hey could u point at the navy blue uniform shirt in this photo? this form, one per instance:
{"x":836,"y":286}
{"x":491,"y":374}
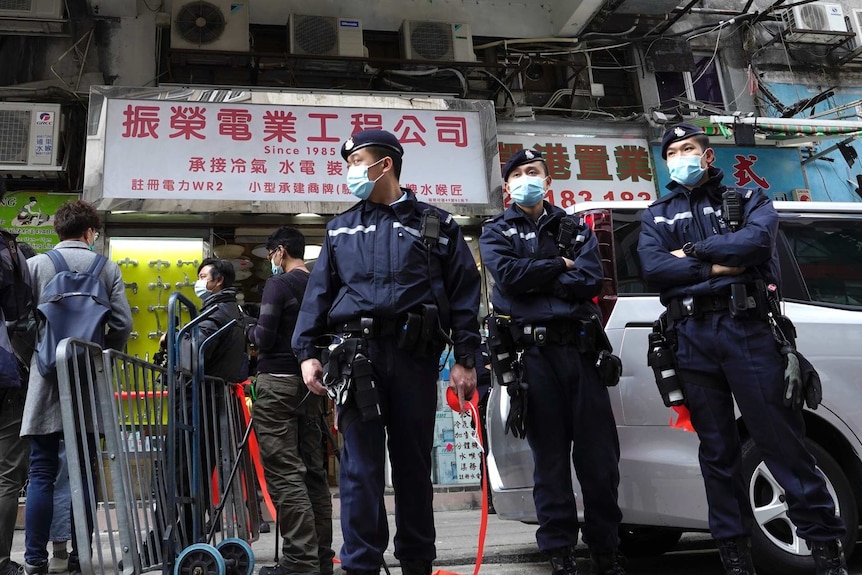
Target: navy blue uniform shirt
{"x":695,"y":216}
{"x":373,"y":263}
{"x":532,"y":283}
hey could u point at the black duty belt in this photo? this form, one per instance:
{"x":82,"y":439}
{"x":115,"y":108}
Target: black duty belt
{"x":371,"y":327}
{"x":697,"y":306}
{"x":548,"y":334}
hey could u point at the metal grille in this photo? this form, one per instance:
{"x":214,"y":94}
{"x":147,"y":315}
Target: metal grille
{"x":14,"y":135}
{"x":432,"y":40}
{"x":315,"y":34}
{"x":20,"y":5}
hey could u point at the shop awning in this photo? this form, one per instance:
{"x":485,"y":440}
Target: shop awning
{"x":782,"y":131}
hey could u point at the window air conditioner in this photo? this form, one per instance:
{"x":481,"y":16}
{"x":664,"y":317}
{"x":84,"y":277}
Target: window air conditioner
{"x":220,"y":25}
{"x":815,"y":16}
{"x":49,"y":9}
{"x":325,"y":36}
{"x":856,"y":21}
{"x":29,"y":135}
{"x":437,"y":41}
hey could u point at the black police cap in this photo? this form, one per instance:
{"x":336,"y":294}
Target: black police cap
{"x":365,"y":138}
{"x":677,"y":133}
{"x":520,"y":158}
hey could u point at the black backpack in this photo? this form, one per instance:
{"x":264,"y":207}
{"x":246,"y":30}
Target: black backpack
{"x":73,"y":304}
{"x":16,"y":287}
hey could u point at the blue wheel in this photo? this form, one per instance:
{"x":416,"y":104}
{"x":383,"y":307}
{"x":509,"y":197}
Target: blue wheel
{"x":238,"y":556}
{"x":200,"y":559}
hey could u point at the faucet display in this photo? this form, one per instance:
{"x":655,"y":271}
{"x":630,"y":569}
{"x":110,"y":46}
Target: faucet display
{"x":159,"y":264}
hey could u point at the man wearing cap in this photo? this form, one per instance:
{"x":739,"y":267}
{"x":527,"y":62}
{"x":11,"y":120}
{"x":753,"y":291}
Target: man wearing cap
{"x":697,"y":256}
{"x":394,"y":281}
{"x":547,"y":289}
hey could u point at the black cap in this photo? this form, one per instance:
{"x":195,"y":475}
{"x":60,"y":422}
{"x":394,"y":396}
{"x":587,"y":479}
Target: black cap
{"x":677,"y":133}
{"x":520,"y":158}
{"x":365,"y":138}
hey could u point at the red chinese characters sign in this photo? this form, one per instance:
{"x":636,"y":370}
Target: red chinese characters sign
{"x":588,"y":169}
{"x":234,"y":151}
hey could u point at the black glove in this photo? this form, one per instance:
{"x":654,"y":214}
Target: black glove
{"x":811,"y":386}
{"x":516,"y":421}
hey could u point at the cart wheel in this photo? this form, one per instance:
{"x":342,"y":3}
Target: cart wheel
{"x":238,"y":556}
{"x":200,"y":559}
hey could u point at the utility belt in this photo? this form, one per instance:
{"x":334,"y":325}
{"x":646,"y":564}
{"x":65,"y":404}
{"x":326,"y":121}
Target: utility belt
{"x":577,"y":333}
{"x":417,"y":331}
{"x":743,"y":301}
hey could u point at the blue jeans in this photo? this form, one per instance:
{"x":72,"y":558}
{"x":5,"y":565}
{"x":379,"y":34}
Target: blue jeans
{"x":39,"y":510}
{"x":61,"y":525}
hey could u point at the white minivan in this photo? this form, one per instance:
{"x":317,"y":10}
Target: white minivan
{"x":661,"y":489}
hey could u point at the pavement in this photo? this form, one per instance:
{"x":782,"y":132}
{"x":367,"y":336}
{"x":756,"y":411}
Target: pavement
{"x":457,"y":518}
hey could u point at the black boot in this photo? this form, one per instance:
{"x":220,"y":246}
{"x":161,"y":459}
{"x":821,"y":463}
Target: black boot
{"x":606,"y":563}
{"x":829,"y":557}
{"x":563,"y":561}
{"x":736,"y":556}
{"x":416,"y":567}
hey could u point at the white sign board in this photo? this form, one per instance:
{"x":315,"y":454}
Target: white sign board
{"x":272,"y":152}
{"x":588,"y":169}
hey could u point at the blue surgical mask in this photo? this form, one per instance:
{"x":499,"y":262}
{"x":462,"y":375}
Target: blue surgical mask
{"x":91,"y":247}
{"x":358,"y":182}
{"x":527,"y":190}
{"x":201,"y":289}
{"x":275,"y":269}
{"x":686,"y":170}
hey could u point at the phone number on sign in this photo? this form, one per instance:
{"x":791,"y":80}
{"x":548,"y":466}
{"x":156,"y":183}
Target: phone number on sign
{"x":568,"y":198}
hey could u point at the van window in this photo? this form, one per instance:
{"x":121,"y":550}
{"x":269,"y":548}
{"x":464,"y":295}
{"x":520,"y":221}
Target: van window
{"x":829,"y":255}
{"x":627,"y":229}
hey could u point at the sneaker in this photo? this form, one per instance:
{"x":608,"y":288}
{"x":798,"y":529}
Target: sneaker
{"x":12,"y":568}
{"x":36,"y":569}
{"x":58,"y":564}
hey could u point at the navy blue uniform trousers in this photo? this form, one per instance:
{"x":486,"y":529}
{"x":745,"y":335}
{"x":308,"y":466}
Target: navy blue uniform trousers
{"x":408,"y":396}
{"x":741,"y":357}
{"x":569,"y":420}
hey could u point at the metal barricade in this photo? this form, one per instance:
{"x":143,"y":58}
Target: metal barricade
{"x":157,"y":458}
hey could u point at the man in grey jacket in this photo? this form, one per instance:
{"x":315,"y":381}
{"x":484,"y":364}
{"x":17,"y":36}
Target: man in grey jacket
{"x":77,"y":223}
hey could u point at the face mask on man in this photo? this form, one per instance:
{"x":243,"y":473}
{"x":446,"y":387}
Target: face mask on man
{"x":201,"y":289}
{"x":358,"y":182}
{"x":687,"y":170}
{"x":527,"y":190}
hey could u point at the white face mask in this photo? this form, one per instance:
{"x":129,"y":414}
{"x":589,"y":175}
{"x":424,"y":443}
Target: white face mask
{"x":201,"y":289}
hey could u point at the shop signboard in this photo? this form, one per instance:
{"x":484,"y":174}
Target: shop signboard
{"x":31,"y":215}
{"x":586,"y":169}
{"x":777,"y":171}
{"x":251,"y":148}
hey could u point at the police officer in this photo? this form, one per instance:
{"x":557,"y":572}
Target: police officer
{"x":569,"y":416}
{"x":400,"y":293}
{"x":690,"y":253}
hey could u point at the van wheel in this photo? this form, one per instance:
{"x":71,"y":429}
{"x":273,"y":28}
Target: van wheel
{"x":774,"y":543}
{"x":636,"y":541}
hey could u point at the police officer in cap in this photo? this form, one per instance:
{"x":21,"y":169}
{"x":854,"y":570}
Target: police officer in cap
{"x":691,"y":253}
{"x":379,"y":278}
{"x":568,"y":416}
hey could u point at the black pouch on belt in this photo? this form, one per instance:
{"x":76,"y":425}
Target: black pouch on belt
{"x":411,"y":333}
{"x":365,"y":390}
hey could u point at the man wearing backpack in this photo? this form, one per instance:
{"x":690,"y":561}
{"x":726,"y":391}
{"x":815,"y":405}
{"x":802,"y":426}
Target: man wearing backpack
{"x":77,"y":223}
{"x":289,"y":419}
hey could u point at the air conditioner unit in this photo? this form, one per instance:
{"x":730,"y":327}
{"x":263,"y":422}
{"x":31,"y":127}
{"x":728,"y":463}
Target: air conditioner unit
{"x":325,"y":36}
{"x":856,"y":21}
{"x":49,"y":9}
{"x":220,"y":25}
{"x":29,"y":136}
{"x":437,"y":41}
{"x":815,"y":17}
